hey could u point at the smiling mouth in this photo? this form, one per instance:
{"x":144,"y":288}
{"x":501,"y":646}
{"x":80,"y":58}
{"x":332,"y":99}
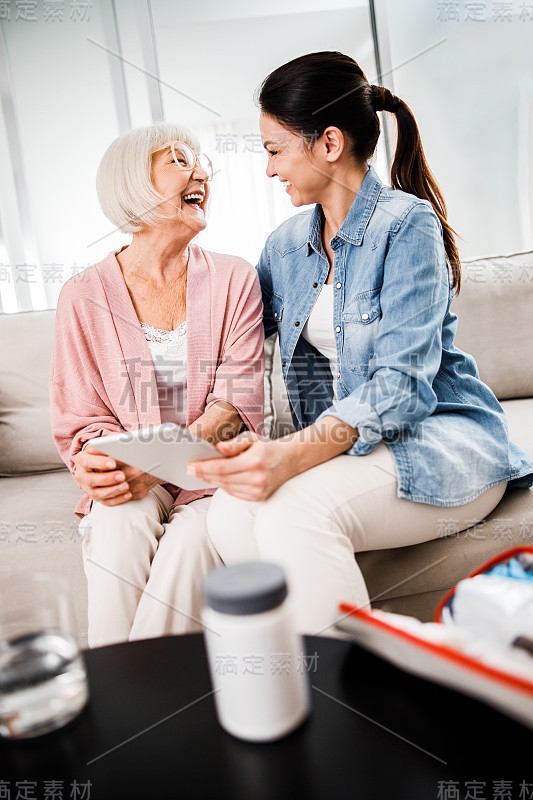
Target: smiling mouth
{"x":286,"y":185}
{"x":194,"y":199}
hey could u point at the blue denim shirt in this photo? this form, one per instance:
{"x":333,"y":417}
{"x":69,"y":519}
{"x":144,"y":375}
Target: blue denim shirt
{"x":401,"y":379}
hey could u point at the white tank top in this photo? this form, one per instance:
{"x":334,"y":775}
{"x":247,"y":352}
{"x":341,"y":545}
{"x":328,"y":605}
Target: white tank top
{"x":169,"y":354}
{"x":318,"y":330}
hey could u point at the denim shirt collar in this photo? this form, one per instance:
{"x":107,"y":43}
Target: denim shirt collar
{"x":353,"y":228}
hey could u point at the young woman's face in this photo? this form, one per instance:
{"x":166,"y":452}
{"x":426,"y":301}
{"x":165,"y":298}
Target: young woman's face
{"x":178,"y":184}
{"x":292,"y":161}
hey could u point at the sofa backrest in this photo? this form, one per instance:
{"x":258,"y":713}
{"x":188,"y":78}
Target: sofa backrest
{"x":495,"y":321}
{"x":26,"y":442}
{"x":495,"y":325}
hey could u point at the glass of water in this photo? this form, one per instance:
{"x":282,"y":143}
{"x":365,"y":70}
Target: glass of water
{"x":43,"y":682}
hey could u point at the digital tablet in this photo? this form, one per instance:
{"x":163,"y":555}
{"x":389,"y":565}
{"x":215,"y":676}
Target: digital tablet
{"x":160,"y":450}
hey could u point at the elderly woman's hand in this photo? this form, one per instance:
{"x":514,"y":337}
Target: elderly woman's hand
{"x":96,"y":474}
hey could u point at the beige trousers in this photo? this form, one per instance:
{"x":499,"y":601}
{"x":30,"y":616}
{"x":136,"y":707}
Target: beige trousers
{"x":315,"y":522}
{"x":145,"y":563}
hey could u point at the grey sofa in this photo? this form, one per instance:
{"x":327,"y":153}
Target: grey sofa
{"x":38,"y":529}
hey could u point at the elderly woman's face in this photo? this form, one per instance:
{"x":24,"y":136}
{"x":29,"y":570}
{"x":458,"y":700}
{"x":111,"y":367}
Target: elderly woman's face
{"x":180,"y":185}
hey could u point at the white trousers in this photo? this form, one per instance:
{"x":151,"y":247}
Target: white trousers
{"x":145,"y":564}
{"x":315,"y":522}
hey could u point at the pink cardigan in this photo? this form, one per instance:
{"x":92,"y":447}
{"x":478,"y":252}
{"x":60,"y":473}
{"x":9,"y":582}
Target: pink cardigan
{"x":103,"y":379}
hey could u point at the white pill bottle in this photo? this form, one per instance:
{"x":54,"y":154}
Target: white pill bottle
{"x":256,"y":658}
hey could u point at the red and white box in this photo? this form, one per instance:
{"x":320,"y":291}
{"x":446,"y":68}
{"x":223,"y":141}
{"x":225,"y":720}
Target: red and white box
{"x":497,"y":674}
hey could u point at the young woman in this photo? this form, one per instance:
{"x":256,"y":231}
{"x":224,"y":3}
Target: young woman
{"x":392,"y":420}
{"x":159,"y":331}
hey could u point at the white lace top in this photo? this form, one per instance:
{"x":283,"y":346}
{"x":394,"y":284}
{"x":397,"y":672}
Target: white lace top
{"x":169,"y":354}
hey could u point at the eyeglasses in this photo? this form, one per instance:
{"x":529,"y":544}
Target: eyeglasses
{"x":187,"y":159}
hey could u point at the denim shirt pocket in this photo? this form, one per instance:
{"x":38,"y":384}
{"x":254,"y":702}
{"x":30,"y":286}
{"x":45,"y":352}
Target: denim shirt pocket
{"x":361,"y":317}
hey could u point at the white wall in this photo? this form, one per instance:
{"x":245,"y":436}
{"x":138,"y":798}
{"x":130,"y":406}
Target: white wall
{"x":66,"y":118}
{"x":472,"y":96}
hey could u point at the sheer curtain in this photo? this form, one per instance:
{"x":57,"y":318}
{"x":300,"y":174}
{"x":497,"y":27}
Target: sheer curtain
{"x":70,"y":86}
{"x":245,"y":204}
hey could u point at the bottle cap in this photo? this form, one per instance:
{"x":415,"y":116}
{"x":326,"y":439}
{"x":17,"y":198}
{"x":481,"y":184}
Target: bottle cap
{"x":246,"y":588}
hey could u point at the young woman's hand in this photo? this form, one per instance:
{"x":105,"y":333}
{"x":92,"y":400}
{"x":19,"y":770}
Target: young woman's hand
{"x":256,"y":467}
{"x":96,"y":474}
{"x":253,"y":469}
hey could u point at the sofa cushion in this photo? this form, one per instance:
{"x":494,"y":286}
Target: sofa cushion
{"x":495,"y":321}
{"x":39,"y":533}
{"x":405,"y":573}
{"x":26,"y":442}
{"x":519,"y":416}
{"x":278,"y":419}
{"x":269,"y":408}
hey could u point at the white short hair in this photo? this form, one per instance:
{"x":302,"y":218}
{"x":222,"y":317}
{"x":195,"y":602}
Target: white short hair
{"x":123,"y":181}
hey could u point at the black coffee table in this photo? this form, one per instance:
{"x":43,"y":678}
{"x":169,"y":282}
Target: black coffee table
{"x":150,"y":731}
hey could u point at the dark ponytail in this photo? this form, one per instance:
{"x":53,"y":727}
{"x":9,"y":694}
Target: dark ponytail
{"x":315,"y":91}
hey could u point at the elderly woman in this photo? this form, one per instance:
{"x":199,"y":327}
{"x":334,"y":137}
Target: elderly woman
{"x":159,"y":331}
